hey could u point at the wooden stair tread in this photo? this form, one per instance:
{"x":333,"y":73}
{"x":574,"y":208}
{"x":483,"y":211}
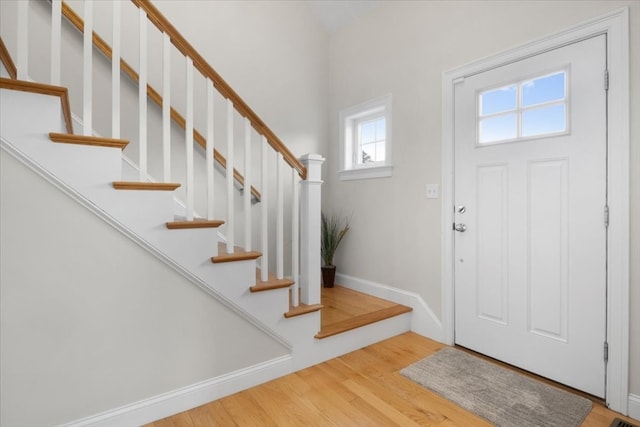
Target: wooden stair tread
{"x":43,"y":89}
{"x":271,"y":283}
{"x":238,"y":254}
{"x":153,"y":186}
{"x":97,"y":141}
{"x":362,"y":320}
{"x":196,"y":223}
{"x":302,"y":309}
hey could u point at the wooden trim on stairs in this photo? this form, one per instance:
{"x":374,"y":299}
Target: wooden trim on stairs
{"x":196,"y":223}
{"x":223,"y":87}
{"x":302,"y":309}
{"x":96,"y":141}
{"x":271,"y":283}
{"x":44,"y":89}
{"x":362,"y":320}
{"x":5,"y":57}
{"x":153,"y":94}
{"x":238,"y":254}
{"x":153,"y":186}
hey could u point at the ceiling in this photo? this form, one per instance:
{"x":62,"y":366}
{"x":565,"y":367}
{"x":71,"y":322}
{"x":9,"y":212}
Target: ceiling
{"x":335,"y":14}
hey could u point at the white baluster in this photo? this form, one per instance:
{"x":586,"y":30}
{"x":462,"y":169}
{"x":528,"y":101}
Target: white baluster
{"x":23,"y":40}
{"x":142,"y":95}
{"x":166,"y":107}
{"x":115,"y":71}
{"x":264,"y":261}
{"x":280,"y":220}
{"x":229,"y":176}
{"x":87,"y":117}
{"x":247,"y":185}
{"x":209,"y":150}
{"x":295,"y":254}
{"x":56,"y":25}
{"x":189,"y":136}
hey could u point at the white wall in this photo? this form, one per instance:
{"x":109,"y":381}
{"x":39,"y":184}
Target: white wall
{"x":403,"y":48}
{"x":273,"y":53}
{"x":90,"y":321}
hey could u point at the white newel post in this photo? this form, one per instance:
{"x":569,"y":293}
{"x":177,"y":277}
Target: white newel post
{"x":310,"y":207}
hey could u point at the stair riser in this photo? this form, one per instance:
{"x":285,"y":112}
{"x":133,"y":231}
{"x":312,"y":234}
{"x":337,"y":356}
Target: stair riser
{"x":232,"y":279}
{"x":145,"y":212}
{"x":191,"y":248}
{"x":30,"y":113}
{"x":27,"y":120}
{"x":320,"y":350}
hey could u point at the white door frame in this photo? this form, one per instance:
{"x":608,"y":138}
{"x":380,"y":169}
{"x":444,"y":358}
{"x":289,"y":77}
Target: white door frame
{"x":615,"y":25}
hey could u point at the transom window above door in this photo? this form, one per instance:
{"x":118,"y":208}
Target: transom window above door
{"x":522,"y":110}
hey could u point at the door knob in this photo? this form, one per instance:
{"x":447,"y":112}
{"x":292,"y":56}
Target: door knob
{"x":460,"y":227}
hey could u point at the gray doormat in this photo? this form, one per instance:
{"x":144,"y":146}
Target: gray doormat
{"x":499,"y":395}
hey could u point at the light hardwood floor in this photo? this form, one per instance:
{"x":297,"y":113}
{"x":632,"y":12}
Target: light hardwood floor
{"x":362,"y":388}
{"x":345,"y":309}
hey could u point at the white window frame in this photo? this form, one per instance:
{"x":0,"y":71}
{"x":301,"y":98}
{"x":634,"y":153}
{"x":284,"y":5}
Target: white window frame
{"x":349,"y":168}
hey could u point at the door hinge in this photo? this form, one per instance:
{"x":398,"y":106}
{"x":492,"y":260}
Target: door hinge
{"x":606,"y":216}
{"x":606,"y":351}
{"x":606,"y":79}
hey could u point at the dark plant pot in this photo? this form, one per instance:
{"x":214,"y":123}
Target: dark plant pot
{"x":328,"y":275}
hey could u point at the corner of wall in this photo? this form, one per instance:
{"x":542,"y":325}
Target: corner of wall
{"x":423,"y":320}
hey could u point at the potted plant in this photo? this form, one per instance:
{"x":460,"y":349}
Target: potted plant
{"x":333,"y":231}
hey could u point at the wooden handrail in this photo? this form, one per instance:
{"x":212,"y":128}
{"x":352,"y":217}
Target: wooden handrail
{"x":223,"y":87}
{"x":106,"y":50}
{"x":5,"y":57}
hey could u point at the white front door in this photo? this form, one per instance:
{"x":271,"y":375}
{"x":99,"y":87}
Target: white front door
{"x":530,"y":197}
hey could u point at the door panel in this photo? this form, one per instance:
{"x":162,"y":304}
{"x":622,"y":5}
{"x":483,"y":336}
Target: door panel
{"x":530,"y":268}
{"x":492,"y":232}
{"x":548,"y":248}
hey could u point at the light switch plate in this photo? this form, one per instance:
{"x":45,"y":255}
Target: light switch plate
{"x":433,"y":191}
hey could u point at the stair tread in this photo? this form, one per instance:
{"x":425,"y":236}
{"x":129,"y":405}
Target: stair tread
{"x":362,"y":320}
{"x":272,"y":282}
{"x":157,"y":186}
{"x":302,"y":309}
{"x":238,"y":254}
{"x":98,"y":141}
{"x":195,"y":223}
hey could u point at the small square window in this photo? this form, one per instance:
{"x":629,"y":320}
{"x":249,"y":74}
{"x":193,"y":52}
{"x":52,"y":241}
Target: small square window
{"x":365,"y":140}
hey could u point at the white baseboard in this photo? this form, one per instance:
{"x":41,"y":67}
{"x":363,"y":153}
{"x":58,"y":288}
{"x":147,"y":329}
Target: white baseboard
{"x":634,"y":406}
{"x":173,"y":402}
{"x":423,"y":320}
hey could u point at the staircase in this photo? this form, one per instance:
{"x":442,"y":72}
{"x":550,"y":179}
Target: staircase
{"x":147,"y":211}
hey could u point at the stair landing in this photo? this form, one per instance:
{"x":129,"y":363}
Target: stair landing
{"x":345,"y":309}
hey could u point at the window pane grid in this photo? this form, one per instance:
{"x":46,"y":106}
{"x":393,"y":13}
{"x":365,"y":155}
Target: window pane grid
{"x":370,"y":141}
{"x":533,"y":107}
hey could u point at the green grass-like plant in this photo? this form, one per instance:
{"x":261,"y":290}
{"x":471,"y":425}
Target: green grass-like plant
{"x":334,"y":229}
